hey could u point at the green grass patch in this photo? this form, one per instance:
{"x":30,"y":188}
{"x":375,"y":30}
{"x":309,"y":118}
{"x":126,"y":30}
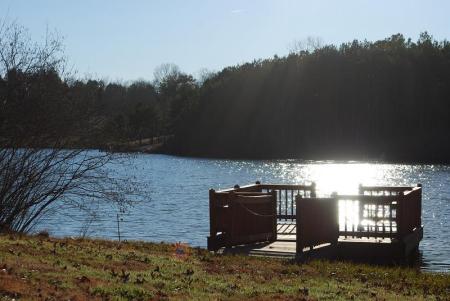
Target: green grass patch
{"x":35,"y":268}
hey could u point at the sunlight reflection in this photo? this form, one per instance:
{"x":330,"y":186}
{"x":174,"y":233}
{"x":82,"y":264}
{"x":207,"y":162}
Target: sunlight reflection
{"x":343,"y":179}
{"x":348,"y":215}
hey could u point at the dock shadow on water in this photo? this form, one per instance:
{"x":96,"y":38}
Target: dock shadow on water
{"x":177,"y":205}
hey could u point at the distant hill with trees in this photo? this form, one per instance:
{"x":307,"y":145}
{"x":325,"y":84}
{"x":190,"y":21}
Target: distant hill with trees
{"x":382,"y":100}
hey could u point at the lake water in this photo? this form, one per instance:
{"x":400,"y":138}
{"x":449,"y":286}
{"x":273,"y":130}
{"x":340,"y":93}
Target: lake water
{"x":176,"y":203}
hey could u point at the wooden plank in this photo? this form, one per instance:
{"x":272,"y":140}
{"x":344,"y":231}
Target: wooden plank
{"x":253,"y":219}
{"x":292,"y":228}
{"x":369,"y":199}
{"x":286,"y":217}
{"x":364,"y":240}
{"x":286,"y":186}
{"x":282,"y":228}
{"x":384,"y":188}
{"x":286,"y":237}
{"x":244,"y":193}
{"x":317,"y":221}
{"x":362,"y":234}
{"x":251,"y":187}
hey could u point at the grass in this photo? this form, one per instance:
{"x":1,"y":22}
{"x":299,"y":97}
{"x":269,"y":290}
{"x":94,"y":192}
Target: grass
{"x":43,"y":268}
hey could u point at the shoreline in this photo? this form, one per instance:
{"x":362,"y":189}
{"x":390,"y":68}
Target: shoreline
{"x":309,"y":160}
{"x":161,"y":150}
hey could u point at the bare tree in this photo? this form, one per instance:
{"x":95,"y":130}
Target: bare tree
{"x":19,"y":52}
{"x":204,"y":74}
{"x":164,"y":72}
{"x":39,"y":172}
{"x":310,"y":44}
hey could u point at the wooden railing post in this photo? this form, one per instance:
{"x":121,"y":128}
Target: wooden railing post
{"x":401,"y":215}
{"x":274,"y":213}
{"x":258,"y":185}
{"x":232,"y":226}
{"x":212,"y":239}
{"x":419,"y":208}
{"x":313,"y":189}
{"x":359,"y":227}
{"x":298,"y":242}
{"x":212,"y":213}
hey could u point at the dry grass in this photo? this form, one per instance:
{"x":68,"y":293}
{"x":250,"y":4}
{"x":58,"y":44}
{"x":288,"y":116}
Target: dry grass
{"x":43,"y":268}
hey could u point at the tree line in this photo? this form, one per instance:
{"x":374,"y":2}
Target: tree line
{"x":92,"y":113}
{"x":381,"y":100}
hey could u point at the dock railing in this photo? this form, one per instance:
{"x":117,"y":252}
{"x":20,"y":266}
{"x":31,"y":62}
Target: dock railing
{"x":248,"y":214}
{"x":380,"y":211}
{"x":285,"y":209}
{"x":286,"y":194}
{"x":376,"y":212}
{"x":241,"y":217}
{"x":368,"y":216}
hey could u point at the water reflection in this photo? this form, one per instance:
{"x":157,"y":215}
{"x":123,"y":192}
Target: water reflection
{"x":348,"y":215}
{"x":344,"y":178}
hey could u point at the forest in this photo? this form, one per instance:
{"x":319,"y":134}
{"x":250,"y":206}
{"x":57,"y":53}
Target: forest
{"x":386,"y":100}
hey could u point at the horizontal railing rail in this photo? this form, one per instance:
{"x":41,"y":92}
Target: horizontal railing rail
{"x":286,"y":194}
{"x":383,"y":190}
{"x":237,"y":188}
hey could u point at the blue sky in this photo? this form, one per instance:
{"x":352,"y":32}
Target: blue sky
{"x":126,"y":40}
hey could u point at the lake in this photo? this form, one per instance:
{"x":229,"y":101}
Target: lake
{"x":176,"y":204}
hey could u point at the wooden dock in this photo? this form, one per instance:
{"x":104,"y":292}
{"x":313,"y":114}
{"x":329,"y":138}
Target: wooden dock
{"x":365,"y":249}
{"x":289,"y":221}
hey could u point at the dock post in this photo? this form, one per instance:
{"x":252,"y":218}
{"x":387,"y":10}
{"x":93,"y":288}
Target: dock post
{"x":298,"y":244}
{"x":313,"y":189}
{"x":212,"y":239}
{"x":359,"y":227}
{"x":274,"y":213}
{"x":360,"y":189}
{"x":401,"y":215}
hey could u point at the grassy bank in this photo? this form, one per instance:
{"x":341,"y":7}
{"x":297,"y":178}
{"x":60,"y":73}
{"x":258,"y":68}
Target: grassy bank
{"x":42,"y":268}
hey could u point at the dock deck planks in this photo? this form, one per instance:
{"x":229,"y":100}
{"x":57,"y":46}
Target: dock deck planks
{"x":285,"y":246}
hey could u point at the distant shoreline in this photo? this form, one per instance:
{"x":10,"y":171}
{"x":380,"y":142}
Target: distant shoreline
{"x":162,"y":150}
{"x":268,"y":158}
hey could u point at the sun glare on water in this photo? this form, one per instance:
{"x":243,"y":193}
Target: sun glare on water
{"x":343,"y":179}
